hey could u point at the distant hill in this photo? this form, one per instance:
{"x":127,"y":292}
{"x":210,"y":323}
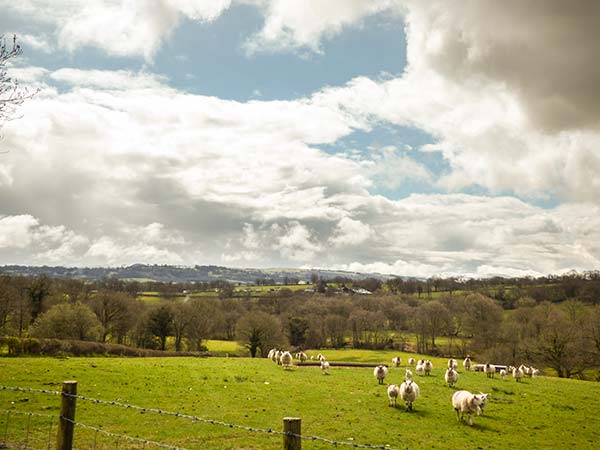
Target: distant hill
{"x":164,"y":273}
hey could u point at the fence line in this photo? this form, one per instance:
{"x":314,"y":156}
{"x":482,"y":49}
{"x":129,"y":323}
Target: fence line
{"x":194,"y":419}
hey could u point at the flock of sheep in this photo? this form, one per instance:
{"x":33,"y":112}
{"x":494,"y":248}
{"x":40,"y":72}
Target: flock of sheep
{"x":463,"y":402}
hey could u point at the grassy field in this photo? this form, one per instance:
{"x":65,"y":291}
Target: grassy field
{"x":347,"y":405}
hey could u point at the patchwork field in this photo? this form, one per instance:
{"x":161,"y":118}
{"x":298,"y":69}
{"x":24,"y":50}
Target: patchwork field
{"x":348,"y":405}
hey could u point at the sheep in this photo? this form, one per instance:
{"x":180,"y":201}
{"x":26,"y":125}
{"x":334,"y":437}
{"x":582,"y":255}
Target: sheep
{"x":465,"y":402}
{"x":517,"y":374}
{"x":271,"y":353}
{"x":502,"y":374}
{"x":411,"y":361}
{"x":526,"y":370}
{"x":277,"y":356}
{"x":320,"y":357}
{"x":427,"y":366}
{"x":483,"y":403}
{"x":301,"y":356}
{"x":489,"y":370}
{"x":396,"y":361}
{"x":408,"y":375}
{"x":452,"y":364}
{"x":380,"y":372}
{"x":409,"y":392}
{"x":274,"y":355}
{"x":451,"y":377}
{"x":535,"y":372}
{"x":286,"y":360}
{"x":420,"y":369}
{"x":393,"y":391}
{"x":467,"y":363}
{"x":325,"y":367}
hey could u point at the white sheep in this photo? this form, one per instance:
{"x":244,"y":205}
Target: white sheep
{"x":393,"y":391}
{"x":464,"y":402}
{"x":271,"y":353}
{"x":325,"y":367}
{"x":274,"y":355}
{"x":396,"y":361}
{"x":420,"y":369}
{"x":380,"y":372}
{"x":467,"y":363}
{"x":517,"y":374}
{"x":408,"y":375}
{"x":409,"y":392}
{"x":451,"y":376}
{"x":535,"y":372}
{"x":286,"y":359}
{"x":277,"y":356}
{"x":502,"y":373}
{"x":411,"y":361}
{"x":427,"y":366}
{"x":452,"y":364}
{"x":526,"y":370}
{"x":490,"y":370}
{"x":320,"y":357}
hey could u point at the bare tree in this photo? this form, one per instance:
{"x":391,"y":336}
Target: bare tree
{"x":12,"y":95}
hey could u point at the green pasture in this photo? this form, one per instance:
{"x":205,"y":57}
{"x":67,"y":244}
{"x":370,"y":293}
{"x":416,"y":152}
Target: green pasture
{"x":347,"y":405}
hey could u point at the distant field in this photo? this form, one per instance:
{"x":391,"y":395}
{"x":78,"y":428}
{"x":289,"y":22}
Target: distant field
{"x":348,"y":405}
{"x":223,"y":346}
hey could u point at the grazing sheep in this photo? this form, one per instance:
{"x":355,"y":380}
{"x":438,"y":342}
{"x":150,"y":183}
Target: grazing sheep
{"x":451,"y":376}
{"x":517,"y":374}
{"x":420,"y":369}
{"x":489,"y":370}
{"x":467,"y":363}
{"x":502,"y":374}
{"x":409,"y":392}
{"x":526,"y":370}
{"x":380,"y":372}
{"x":286,"y":360}
{"x":411,"y":361}
{"x":271,"y":353}
{"x":409,"y":375}
{"x":393,"y":391}
{"x":325,"y":367}
{"x":320,"y":357}
{"x":277,"y":356}
{"x":452,"y":364}
{"x":427,"y":366}
{"x":274,"y":355}
{"x":483,"y":403}
{"x":396,"y":361}
{"x":465,"y":402}
{"x":535,"y":372}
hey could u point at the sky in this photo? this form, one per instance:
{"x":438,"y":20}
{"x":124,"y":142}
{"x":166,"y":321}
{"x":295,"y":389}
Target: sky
{"x":438,"y":138}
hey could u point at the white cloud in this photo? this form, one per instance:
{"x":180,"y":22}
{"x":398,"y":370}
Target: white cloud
{"x":15,"y":231}
{"x":296,"y":242}
{"x":350,"y":232}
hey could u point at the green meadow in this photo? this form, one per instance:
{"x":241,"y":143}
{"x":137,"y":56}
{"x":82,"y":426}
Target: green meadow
{"x":347,"y":405}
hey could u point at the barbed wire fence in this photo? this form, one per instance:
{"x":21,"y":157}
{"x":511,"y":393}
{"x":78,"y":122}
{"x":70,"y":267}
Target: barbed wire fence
{"x":35,"y":431}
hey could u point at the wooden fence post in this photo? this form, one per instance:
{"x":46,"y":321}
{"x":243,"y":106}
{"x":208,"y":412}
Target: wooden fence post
{"x":64,"y":438}
{"x":292,"y":425}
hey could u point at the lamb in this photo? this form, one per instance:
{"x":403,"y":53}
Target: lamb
{"x":411,"y":361}
{"x":489,"y":370}
{"x":409,"y":392}
{"x":502,"y":374}
{"x":393,"y":391}
{"x":325,"y":367}
{"x":517,"y":374}
{"x":420,"y":369}
{"x":409,"y":375}
{"x":464,"y":402}
{"x":451,"y":377}
{"x":380,"y":372}
{"x":452,"y":364}
{"x":467,"y":363}
{"x":286,"y":360}
{"x":396,"y":361}
{"x":427,"y":366}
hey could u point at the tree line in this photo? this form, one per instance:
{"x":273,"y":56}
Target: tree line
{"x":553,"y":324}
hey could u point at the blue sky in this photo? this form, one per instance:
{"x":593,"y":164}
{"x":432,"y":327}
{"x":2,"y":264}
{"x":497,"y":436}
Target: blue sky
{"x":378,"y":135}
